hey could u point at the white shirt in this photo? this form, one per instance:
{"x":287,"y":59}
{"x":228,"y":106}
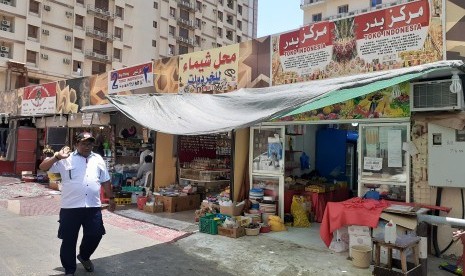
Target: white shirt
{"x":143,"y":155}
{"x":142,"y":172}
{"x":80,"y":179}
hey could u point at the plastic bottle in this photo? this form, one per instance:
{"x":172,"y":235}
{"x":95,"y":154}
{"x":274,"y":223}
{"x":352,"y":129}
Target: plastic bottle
{"x":390,"y":232}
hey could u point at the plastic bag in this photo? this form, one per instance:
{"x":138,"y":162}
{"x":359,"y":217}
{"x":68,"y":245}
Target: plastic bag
{"x":298,"y":212}
{"x":304,"y":161}
{"x":276,"y":224}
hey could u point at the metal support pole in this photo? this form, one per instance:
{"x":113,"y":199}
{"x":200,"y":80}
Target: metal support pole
{"x":422,"y":232}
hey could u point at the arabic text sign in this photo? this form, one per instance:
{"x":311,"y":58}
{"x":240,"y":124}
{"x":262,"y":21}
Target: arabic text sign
{"x":138,"y":76}
{"x":211,"y":71}
{"x":39,"y":99}
{"x":394,"y":37}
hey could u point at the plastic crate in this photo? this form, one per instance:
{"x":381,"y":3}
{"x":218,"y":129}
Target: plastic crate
{"x":122,"y":200}
{"x":209,"y":223}
{"x":131,"y":189}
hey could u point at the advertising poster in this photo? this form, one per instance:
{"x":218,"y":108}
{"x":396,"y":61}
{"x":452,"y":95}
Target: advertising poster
{"x":391,"y":102}
{"x":8,"y":102}
{"x":73,"y":94}
{"x":130,"y":78}
{"x":254,"y":63}
{"x":39,"y":99}
{"x":211,"y":71}
{"x":166,"y":75}
{"x":392,"y":37}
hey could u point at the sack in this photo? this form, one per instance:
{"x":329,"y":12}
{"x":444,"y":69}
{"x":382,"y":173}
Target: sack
{"x":298,"y":212}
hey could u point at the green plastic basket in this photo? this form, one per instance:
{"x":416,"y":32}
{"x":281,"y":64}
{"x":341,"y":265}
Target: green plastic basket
{"x":209,"y":223}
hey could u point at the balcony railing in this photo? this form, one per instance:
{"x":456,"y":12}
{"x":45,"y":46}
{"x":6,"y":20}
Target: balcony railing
{"x":306,"y":3}
{"x":185,"y":40}
{"x":106,"y":14}
{"x":97,"y":56}
{"x":186,"y":5}
{"x":99,"y":34}
{"x":186,"y":22}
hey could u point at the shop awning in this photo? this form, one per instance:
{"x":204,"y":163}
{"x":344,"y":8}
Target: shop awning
{"x":194,"y":114}
{"x":99,"y":108}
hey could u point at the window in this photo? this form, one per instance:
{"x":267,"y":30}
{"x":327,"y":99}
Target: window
{"x":219,"y":45}
{"x":80,"y":2}
{"x":238,"y":39}
{"x":77,"y":67}
{"x":229,"y":19}
{"x":230,"y":4}
{"x":117,"y":54}
{"x":239,"y":9}
{"x":184,"y":32}
{"x":198,"y":23}
{"x":34,"y":6}
{"x":31,"y":56}
{"x":98,"y":68}
{"x":154,"y":43}
{"x":33,"y":81}
{"x":220,"y":16}
{"x":79,"y":21}
{"x":155,"y":5}
{"x":343,"y":9}
{"x":171,"y":30}
{"x":78,"y":42}
{"x":171,"y":49}
{"x":183,"y":50}
{"x":173,"y":12}
{"x":118,"y":33}
{"x":197,"y":40}
{"x":32,"y":31}
{"x":220,"y":32}
{"x":375,"y":3}
{"x":316,"y":17}
{"x":239,"y":24}
{"x":184,"y":14}
{"x":220,"y":1}
{"x":198,"y":5}
{"x":229,"y":35}
{"x":119,"y":12}
{"x":155,"y":24}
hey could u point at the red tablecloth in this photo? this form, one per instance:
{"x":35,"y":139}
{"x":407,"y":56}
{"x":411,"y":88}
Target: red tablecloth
{"x":354,"y":211}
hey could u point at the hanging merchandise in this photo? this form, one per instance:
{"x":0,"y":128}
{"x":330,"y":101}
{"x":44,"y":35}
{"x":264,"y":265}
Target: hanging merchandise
{"x":304,"y":161}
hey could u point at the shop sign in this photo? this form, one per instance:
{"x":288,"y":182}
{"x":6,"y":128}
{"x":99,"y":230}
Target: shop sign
{"x":391,"y":102}
{"x":211,"y":72}
{"x":130,"y":78}
{"x":39,"y":99}
{"x":372,"y":163}
{"x":397,"y":36}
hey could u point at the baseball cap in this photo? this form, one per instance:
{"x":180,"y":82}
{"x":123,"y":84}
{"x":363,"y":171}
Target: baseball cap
{"x":85,"y":136}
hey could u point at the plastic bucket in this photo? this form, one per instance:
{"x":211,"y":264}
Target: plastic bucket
{"x":361,"y":256}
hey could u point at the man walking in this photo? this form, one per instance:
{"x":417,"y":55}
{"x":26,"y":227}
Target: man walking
{"x":83,"y":172}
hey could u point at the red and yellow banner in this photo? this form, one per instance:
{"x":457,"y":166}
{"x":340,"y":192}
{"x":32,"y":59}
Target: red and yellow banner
{"x":393,"y":37}
{"x":39,"y":99}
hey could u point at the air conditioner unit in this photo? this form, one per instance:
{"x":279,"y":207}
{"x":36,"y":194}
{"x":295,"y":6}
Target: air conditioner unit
{"x":68,"y":14}
{"x":4,"y":49}
{"x":47,"y":7}
{"x":66,"y":61}
{"x":45,"y":32}
{"x":107,"y":13}
{"x":6,"y":23}
{"x":6,"y":29}
{"x":3,"y":55}
{"x":67,"y":37}
{"x":92,"y":54}
{"x":44,"y":56}
{"x":6,"y":2}
{"x":435,"y":95}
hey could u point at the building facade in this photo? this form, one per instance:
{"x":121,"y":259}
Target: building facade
{"x":43,"y":41}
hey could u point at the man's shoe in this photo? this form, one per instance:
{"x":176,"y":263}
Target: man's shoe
{"x":88,"y":266}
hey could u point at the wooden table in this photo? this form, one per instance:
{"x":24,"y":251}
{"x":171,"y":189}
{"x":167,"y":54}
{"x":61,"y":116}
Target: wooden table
{"x":402,"y":244}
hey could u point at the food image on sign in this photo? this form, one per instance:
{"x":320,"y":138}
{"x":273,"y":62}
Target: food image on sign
{"x":398,"y":36}
{"x":391,"y":102}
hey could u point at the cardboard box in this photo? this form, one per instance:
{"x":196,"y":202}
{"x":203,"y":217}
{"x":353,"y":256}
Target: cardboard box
{"x":359,"y":230}
{"x":179,"y":203}
{"x":156,"y":208}
{"x":232,"y":210}
{"x":231,"y":232}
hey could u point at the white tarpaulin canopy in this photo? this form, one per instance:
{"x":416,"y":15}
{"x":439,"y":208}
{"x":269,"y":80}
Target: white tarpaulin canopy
{"x":194,"y":114}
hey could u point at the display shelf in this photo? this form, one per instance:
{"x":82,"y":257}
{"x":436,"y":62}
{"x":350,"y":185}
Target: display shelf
{"x":294,"y":134}
{"x":293,"y":151}
{"x":206,"y":181}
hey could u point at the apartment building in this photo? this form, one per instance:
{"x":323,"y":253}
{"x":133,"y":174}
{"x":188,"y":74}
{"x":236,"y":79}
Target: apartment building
{"x":48,"y":40}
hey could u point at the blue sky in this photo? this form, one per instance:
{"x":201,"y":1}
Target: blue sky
{"x":277,"y":16}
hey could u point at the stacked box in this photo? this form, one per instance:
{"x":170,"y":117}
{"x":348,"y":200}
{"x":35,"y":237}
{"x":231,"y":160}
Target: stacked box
{"x":359,"y":235}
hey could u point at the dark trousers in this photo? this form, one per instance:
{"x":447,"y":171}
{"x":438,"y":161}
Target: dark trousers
{"x":71,"y":221}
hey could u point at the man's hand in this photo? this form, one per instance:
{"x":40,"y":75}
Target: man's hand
{"x":63,"y":153}
{"x":111,"y":205}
